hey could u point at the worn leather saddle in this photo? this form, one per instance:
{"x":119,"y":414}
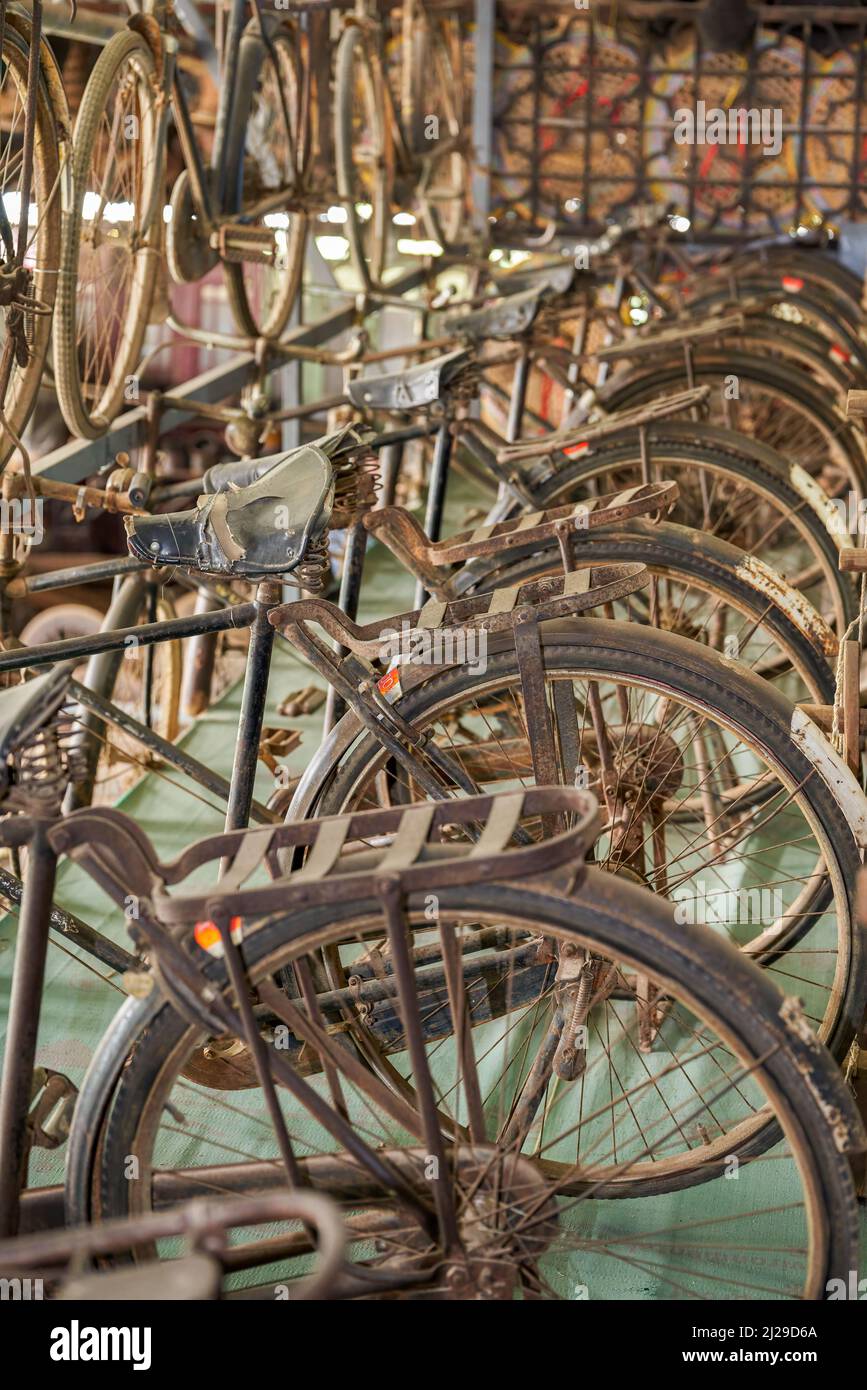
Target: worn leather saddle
{"x":260,"y":526}
{"x":516,"y":308}
{"x":413,"y":389}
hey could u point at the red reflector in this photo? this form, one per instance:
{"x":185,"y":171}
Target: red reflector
{"x":792,"y":284}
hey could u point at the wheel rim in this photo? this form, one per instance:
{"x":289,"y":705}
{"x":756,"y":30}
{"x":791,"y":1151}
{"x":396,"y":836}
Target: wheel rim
{"x":116,"y":248}
{"x":692,"y":1250}
{"x":680,"y":834}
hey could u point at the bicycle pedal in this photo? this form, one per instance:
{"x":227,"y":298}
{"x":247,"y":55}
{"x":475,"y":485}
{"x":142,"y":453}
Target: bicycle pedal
{"x":301,"y":702}
{"x":239,"y":243}
{"x":53,"y":1100}
{"x":276,"y":744}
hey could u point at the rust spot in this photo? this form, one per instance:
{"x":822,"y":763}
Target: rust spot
{"x":793,"y":603}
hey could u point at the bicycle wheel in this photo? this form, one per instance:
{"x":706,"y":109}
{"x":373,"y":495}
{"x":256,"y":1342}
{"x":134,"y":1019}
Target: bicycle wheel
{"x":794,"y":300}
{"x":728,"y":1078}
{"x":442,"y":189}
{"x":42,"y":260}
{"x":363,"y":154}
{"x":833,"y":343}
{"x":707,"y":590}
{"x":770,"y":402}
{"x":111,"y":238}
{"x":799,"y":266}
{"x":730,"y":487}
{"x":711,"y":779}
{"x":263,"y":158}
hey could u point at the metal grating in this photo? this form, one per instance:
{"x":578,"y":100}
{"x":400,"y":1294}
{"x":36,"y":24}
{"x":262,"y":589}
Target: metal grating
{"x":585,"y":114}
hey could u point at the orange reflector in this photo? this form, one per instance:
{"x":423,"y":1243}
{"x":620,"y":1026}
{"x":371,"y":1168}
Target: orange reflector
{"x":207,"y":935}
{"x":389,"y":681}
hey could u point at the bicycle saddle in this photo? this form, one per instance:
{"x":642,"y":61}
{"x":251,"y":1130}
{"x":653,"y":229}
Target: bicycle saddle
{"x":261,"y":529}
{"x":238,"y":473}
{"x":551,"y":279}
{"x":412,"y":389}
{"x":507,"y":317}
{"x":24,"y":709}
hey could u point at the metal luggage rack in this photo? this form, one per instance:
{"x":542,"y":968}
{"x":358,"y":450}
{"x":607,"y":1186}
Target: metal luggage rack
{"x":584,"y":114}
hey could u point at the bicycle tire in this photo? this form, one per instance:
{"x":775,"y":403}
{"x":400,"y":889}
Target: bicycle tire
{"x":817,"y":267}
{"x":692,"y":557}
{"x":132,"y":1073}
{"x":51,"y":122}
{"x":840,"y":440}
{"x":841,"y":340}
{"x":831,"y":314}
{"x":367,"y":248}
{"x":442,"y":217}
{"x":675,"y":446}
{"x":694,"y":676}
{"x":253,"y":320}
{"x":116,"y":362}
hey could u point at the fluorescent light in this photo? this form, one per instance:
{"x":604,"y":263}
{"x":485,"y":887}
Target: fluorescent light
{"x":12,"y":207}
{"x":333,"y":248}
{"x":277,"y":219}
{"x":403,"y":219}
{"x":364,"y":211}
{"x":119,"y":212}
{"x":336,"y":214}
{"x":409,"y":246}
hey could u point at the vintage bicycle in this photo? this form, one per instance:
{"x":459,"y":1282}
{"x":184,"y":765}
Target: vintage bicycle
{"x":521,"y":1035}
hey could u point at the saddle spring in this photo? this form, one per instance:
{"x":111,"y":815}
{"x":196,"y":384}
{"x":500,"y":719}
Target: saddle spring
{"x":356,"y":484}
{"x":465,"y":387}
{"x":45,"y":765}
{"x":314,"y":570}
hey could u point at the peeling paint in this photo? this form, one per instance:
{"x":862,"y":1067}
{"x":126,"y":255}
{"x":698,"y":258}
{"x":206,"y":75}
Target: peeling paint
{"x":792,"y":1014}
{"x":845,"y":787}
{"x":794,"y":605}
{"x":808,"y":489}
{"x":845,"y":1131}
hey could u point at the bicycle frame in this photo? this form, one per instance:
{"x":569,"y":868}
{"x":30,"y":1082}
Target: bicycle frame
{"x":204,"y":1225}
{"x":120,"y":859}
{"x":118,"y":641}
{"x":199,"y":183}
{"x":213,"y":201}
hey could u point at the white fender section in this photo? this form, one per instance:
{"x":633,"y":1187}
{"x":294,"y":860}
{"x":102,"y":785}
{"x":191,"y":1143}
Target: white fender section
{"x":831,"y":768}
{"x":807,"y":488}
{"x":792,"y":601}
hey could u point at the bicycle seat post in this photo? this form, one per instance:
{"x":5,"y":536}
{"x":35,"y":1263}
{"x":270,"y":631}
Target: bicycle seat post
{"x":436,"y":493}
{"x":23,"y":1025}
{"x":268,"y":596}
{"x":520,"y":379}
